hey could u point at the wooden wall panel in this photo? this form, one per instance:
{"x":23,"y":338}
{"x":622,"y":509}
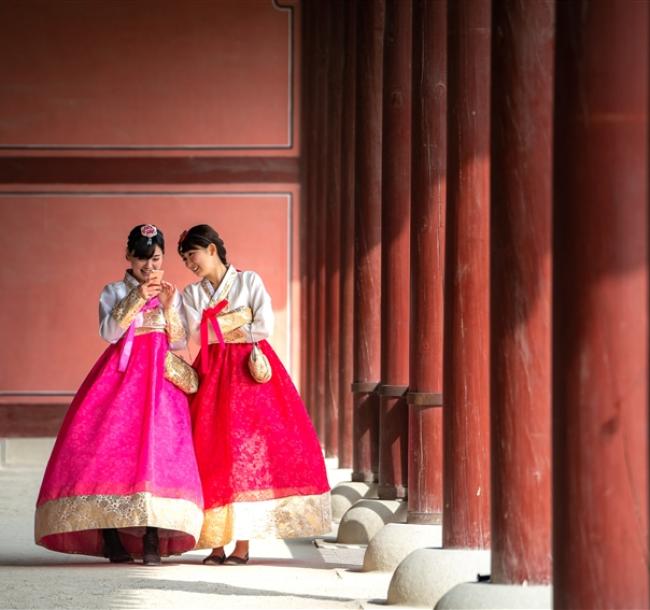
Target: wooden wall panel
{"x":62,"y":248}
{"x":117,"y":112}
{"x":147,"y":75}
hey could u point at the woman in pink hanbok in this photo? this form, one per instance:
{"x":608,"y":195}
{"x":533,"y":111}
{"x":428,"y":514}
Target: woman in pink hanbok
{"x":122,"y":480}
{"x":260,"y":461}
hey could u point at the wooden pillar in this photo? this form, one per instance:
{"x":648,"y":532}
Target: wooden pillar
{"x":520,"y":255}
{"x":367,"y":285}
{"x":333,"y":227}
{"x":428,"y":205}
{"x":304,"y":216}
{"x":466,"y":515}
{"x":395,"y":229}
{"x":346,"y":404}
{"x":320,"y":215}
{"x":309,"y":151}
{"x":600,"y":306}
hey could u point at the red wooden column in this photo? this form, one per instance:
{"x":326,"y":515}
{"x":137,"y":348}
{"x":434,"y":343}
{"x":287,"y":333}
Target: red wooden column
{"x":522,"y":89}
{"x":332,"y":227}
{"x":367,"y":243}
{"x":309,"y":151}
{"x":346,"y":404}
{"x":428,"y":206}
{"x":600,"y":308}
{"x":395,"y":231}
{"x":320,"y":215}
{"x":466,"y":515}
{"x":304,"y":216}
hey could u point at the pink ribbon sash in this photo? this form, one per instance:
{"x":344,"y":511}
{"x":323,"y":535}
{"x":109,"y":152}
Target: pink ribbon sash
{"x":127,"y":346}
{"x":210,"y":316}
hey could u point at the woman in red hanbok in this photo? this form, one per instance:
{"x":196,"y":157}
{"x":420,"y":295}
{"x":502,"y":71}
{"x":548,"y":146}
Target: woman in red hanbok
{"x":259,"y":458}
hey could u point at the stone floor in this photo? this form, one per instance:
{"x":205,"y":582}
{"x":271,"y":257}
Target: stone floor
{"x":294,"y":574}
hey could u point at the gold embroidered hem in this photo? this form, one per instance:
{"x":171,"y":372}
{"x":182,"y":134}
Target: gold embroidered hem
{"x":78,"y":513}
{"x":290,"y":517}
{"x":128,"y":308}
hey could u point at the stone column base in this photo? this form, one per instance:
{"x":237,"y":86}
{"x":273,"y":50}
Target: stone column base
{"x":345,"y":495}
{"x":395,"y":541}
{"x":476,"y":595}
{"x":427,"y":574}
{"x":366,"y":517}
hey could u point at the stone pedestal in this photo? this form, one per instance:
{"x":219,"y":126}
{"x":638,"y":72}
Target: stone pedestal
{"x":395,"y":541}
{"x":364,"y":520}
{"x":426,"y":575}
{"x":348,"y":493}
{"x":476,"y":595}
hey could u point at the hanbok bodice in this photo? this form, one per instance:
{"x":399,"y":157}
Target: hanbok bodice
{"x":247,"y":316}
{"x":121,"y":304}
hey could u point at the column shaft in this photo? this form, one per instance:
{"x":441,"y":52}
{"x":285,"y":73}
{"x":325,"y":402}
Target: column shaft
{"x":428,"y":206}
{"x":520,"y":254}
{"x":333,"y":226}
{"x":346,"y":403}
{"x":367,"y":287}
{"x":466,"y":376}
{"x":600,"y":307}
{"x":395,"y":229}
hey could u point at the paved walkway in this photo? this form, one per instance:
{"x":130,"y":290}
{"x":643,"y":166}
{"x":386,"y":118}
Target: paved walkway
{"x":292,"y":574}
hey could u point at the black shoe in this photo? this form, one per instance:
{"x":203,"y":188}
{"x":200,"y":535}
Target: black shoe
{"x":113,"y":548}
{"x":216,"y":560}
{"x":235,"y":560}
{"x":150,"y":552}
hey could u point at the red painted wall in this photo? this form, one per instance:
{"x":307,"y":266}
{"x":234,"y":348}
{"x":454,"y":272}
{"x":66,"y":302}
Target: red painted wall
{"x":91,"y":94}
{"x":148,"y":73}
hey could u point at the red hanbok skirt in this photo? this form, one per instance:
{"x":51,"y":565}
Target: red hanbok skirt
{"x":260,"y":462}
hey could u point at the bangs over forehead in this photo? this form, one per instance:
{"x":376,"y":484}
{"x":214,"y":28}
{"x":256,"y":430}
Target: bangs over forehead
{"x":143,"y":251}
{"x":192,"y":241}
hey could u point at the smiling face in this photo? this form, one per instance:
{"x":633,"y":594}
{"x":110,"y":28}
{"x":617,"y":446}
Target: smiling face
{"x":200,"y":261}
{"x":142,"y":267}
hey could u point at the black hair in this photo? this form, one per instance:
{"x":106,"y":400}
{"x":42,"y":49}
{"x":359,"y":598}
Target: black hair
{"x":201,"y":236}
{"x":143,"y":246}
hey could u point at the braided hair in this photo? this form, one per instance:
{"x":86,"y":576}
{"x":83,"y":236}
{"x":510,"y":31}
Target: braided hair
{"x":201,"y":236}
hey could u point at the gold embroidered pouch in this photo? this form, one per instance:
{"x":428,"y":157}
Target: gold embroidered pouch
{"x":259,"y":365}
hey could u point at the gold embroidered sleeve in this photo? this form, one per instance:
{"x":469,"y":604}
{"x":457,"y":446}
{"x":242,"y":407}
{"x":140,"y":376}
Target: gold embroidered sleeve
{"x":129,"y":307}
{"x":174,"y":325}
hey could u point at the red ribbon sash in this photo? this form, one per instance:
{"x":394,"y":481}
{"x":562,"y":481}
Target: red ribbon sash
{"x":210,"y":317}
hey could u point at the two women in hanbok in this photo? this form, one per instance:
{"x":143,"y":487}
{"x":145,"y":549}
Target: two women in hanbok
{"x":131,"y":475}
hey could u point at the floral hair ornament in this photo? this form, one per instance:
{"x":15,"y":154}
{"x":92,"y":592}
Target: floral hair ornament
{"x":182,"y":238}
{"x":149,"y":231}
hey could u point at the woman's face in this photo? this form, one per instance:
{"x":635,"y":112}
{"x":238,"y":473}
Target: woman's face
{"x":141,"y":268}
{"x":200,"y":261}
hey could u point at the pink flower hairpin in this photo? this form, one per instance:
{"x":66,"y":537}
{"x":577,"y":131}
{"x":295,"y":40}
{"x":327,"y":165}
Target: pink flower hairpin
{"x":149,"y":231}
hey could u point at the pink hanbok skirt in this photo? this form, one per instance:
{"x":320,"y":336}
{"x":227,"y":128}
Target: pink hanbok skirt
{"x":261,"y":464}
{"x":123,"y":459}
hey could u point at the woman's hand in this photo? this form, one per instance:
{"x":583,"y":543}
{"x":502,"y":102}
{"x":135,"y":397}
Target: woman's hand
{"x":149,"y":290}
{"x":167,"y":293}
